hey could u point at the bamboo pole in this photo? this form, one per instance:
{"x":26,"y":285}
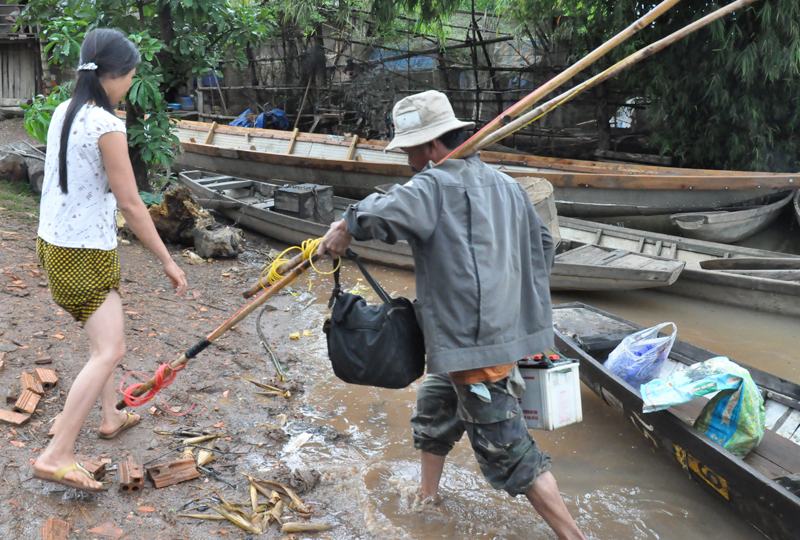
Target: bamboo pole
{"x":230,"y":323}
{"x":469,"y":147}
{"x":282,"y":269}
{"x":620,"y":66}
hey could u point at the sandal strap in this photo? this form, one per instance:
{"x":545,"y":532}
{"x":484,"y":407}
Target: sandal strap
{"x":75,"y":466}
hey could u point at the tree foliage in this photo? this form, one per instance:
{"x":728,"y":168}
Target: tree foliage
{"x":725,"y":97}
{"x":178,"y":39}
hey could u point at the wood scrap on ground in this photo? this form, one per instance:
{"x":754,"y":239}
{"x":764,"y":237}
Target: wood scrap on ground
{"x":261,"y":516}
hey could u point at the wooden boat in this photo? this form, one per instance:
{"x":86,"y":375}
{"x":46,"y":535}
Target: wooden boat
{"x":355,"y":167}
{"x":589,"y":268}
{"x":762,"y":488}
{"x":731,"y":224}
{"x":751,"y":291}
{"x":595,"y":268}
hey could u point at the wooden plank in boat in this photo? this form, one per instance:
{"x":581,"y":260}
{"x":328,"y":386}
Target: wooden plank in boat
{"x":233,"y":184}
{"x":210,"y":136}
{"x":790,"y":425}
{"x":783,"y":275}
{"x":752,"y":263}
{"x":647,"y":267}
{"x":774,"y":413}
{"x":213,"y":180}
{"x":783,"y":453}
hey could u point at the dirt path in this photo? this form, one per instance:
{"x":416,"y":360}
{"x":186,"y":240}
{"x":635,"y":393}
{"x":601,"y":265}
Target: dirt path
{"x":159,"y":327}
{"x":13,"y":129}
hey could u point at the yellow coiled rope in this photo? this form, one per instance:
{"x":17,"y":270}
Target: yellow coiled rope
{"x":308,"y":249}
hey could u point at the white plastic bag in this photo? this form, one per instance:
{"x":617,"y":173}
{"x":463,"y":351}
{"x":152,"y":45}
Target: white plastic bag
{"x":638,"y":359}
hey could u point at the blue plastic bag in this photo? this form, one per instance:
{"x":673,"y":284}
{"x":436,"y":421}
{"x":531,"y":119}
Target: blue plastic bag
{"x":734,"y":418}
{"x":638,"y":359}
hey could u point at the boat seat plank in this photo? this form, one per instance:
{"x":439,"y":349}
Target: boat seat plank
{"x":790,"y":425}
{"x":233,"y":184}
{"x":669,"y":367}
{"x":211,"y":179}
{"x":765,"y":466}
{"x":673,"y":251}
{"x":636,"y":261}
{"x":774,"y":413}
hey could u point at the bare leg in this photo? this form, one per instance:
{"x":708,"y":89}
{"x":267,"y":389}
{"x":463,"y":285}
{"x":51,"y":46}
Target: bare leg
{"x":112,"y":418}
{"x":106,"y":332}
{"x":432,"y":467}
{"x":546,"y":500}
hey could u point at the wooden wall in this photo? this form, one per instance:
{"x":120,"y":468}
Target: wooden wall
{"x":20,"y":69}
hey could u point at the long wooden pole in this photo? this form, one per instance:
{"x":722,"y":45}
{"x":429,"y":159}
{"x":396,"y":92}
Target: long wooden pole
{"x":638,"y":56}
{"x":469,"y":147}
{"x":285,"y":267}
{"x":230,"y":323}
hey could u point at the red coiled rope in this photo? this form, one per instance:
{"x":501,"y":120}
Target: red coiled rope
{"x":159,"y":383}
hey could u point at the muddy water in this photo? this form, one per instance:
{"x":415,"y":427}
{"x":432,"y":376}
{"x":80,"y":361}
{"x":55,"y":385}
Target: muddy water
{"x":613,"y":483}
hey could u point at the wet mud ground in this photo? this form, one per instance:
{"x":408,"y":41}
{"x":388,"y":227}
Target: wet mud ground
{"x":158,"y":328}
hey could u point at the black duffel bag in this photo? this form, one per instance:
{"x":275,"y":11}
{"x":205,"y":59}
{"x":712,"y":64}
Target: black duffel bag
{"x":374,"y":345}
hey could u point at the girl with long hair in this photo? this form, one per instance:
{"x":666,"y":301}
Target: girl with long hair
{"x":88,"y":175}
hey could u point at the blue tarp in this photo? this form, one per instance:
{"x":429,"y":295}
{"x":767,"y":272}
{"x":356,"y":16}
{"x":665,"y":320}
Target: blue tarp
{"x":274,"y":119}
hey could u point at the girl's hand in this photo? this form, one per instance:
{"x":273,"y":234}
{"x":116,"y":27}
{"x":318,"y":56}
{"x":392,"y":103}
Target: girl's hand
{"x":176,"y":276}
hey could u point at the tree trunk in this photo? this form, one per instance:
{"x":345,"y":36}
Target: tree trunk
{"x":602,"y":116}
{"x":134,"y":117}
{"x":166,"y":23}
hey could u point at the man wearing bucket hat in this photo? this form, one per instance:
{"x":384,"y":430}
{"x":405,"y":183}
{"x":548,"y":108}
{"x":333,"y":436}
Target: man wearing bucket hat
{"x":482,"y":257}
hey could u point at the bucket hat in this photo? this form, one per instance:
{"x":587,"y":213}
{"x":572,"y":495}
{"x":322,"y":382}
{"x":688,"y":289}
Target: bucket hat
{"x":423,"y":118}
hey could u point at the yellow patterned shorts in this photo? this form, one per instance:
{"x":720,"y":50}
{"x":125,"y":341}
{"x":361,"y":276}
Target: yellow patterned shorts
{"x":80,"y":279}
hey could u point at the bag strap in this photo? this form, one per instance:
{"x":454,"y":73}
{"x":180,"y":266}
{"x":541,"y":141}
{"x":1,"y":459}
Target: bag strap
{"x":337,"y":289}
{"x":350,"y":254}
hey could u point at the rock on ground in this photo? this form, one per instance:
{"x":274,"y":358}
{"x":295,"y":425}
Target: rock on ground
{"x":218,"y":241}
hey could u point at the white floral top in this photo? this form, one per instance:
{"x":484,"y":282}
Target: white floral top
{"x":85,"y":216}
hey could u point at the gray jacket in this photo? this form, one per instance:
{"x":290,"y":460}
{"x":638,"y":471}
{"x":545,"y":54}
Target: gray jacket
{"x":483,"y":258}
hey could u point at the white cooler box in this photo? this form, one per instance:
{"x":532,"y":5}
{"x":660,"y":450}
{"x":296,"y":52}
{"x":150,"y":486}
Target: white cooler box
{"x":553,"y":394}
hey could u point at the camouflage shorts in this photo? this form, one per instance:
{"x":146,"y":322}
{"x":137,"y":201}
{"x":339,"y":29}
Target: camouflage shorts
{"x":505,"y":451}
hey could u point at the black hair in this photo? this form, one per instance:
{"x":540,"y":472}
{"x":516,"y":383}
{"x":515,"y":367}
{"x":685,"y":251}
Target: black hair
{"x":453,"y":139}
{"x":115,"y":56}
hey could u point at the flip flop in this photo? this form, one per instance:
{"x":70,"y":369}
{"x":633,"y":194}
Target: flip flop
{"x":129,"y":423}
{"x":58,"y":478}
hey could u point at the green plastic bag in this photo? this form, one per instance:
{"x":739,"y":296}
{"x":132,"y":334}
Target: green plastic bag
{"x":734,"y":418}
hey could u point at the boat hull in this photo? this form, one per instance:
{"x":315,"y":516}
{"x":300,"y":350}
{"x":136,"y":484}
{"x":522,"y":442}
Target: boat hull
{"x":730,"y":226}
{"x":577,"y":194}
{"x":751,"y":292}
